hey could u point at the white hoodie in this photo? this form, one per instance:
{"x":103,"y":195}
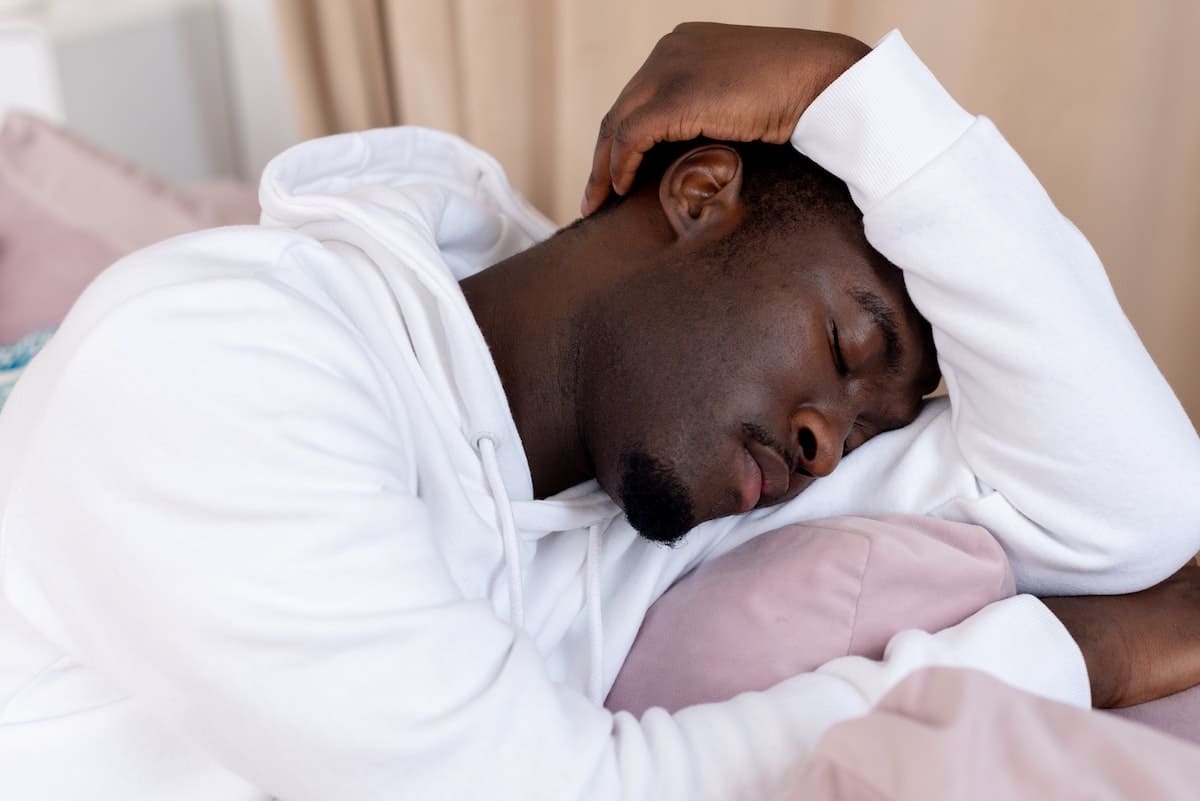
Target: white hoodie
{"x":268,"y":527}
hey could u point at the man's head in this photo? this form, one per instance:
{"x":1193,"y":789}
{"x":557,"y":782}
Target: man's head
{"x":750,"y":340}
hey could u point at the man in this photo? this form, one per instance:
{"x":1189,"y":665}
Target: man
{"x":303,"y":511}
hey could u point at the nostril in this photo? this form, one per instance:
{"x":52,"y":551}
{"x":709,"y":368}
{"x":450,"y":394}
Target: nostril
{"x":808,"y":444}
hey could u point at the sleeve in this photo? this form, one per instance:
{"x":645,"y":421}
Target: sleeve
{"x":218,"y":515}
{"x":1081,"y":460}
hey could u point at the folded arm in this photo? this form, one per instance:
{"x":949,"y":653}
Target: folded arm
{"x":1060,"y":436}
{"x":1084,"y":459}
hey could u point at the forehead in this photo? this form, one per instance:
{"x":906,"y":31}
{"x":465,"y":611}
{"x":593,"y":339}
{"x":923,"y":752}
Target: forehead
{"x":831,"y":263}
{"x":831,"y":257}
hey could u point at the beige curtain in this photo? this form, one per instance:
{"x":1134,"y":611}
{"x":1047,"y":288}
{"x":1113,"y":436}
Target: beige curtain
{"x":1099,"y":96}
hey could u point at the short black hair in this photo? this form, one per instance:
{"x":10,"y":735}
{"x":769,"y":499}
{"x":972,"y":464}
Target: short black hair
{"x":782,"y":188}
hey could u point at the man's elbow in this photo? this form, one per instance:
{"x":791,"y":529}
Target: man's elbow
{"x":1164,"y":533}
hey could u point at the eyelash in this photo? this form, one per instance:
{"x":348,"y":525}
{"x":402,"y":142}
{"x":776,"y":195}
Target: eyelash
{"x":839,"y":361}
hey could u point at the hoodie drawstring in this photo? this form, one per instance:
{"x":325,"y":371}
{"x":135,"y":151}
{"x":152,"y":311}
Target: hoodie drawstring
{"x":595,"y":621}
{"x":486,"y":445}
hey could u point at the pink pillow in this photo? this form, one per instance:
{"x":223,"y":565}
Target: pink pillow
{"x":791,"y":600}
{"x":68,"y":210}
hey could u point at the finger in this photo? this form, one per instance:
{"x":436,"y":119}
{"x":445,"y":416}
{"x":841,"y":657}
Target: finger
{"x":636,"y":133}
{"x":628,"y":146}
{"x":633,"y":97}
{"x":598,"y":183}
{"x":624,"y":167}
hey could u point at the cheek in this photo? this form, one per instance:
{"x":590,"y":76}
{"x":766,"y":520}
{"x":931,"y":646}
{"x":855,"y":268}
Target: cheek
{"x":678,"y":382}
{"x":705,"y":443}
{"x":710,"y":469}
{"x":693,"y":424}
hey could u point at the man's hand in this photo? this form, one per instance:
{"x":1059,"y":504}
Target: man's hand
{"x":731,"y":82}
{"x":1141,"y":646}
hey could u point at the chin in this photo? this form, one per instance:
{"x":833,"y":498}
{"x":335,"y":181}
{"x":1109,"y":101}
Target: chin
{"x":656,"y":501}
{"x":797,"y":485}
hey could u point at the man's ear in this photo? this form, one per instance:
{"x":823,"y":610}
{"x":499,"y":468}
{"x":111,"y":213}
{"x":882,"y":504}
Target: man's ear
{"x":701,"y":192}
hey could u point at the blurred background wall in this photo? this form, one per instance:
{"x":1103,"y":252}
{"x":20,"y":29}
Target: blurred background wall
{"x":1101,"y":97}
{"x":191,"y":89}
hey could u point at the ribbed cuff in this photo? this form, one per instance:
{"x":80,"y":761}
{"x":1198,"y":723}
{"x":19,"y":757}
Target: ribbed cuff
{"x":880,"y":122}
{"x":1017,"y":640}
{"x":1020,"y":641}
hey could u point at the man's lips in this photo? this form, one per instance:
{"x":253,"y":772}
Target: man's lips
{"x":765,"y":476}
{"x":751,"y":483}
{"x":776,"y":475}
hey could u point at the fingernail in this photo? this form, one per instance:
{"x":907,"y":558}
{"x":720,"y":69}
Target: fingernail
{"x":583,"y":205}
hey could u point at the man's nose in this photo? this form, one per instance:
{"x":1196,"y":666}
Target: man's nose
{"x":821,"y":438}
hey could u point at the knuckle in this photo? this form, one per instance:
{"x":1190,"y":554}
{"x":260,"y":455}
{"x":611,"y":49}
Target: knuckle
{"x":672,"y":42}
{"x":607,"y":124}
{"x":625,"y":133}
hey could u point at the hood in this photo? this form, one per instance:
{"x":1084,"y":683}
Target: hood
{"x":429,"y":209}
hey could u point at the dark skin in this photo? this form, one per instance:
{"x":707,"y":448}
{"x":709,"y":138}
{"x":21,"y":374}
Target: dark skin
{"x":1141,"y":646}
{"x":747,"y":372}
{"x":741,"y":83}
{"x":733,"y":82}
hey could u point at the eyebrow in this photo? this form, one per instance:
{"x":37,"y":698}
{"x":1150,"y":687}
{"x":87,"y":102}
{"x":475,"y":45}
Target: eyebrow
{"x":885,"y":319}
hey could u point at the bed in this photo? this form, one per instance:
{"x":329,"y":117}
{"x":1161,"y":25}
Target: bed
{"x":68,"y":210}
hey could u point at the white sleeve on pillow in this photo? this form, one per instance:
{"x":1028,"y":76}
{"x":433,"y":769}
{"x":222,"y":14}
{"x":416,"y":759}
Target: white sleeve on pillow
{"x":742,"y":746}
{"x":1061,"y":437}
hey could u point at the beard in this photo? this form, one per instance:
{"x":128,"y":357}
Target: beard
{"x":655,"y":500}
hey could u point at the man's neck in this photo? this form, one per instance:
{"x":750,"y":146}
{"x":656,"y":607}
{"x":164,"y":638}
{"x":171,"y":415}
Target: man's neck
{"x":533,"y":310}
{"x":524,"y":306}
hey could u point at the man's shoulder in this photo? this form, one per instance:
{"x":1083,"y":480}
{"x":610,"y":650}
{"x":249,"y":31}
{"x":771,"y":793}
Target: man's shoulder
{"x":251,"y":286}
{"x":187,"y":343}
{"x":247,"y":253}
{"x":218,"y":312}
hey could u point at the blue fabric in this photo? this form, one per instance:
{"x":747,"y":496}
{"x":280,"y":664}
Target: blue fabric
{"x":13,"y":359}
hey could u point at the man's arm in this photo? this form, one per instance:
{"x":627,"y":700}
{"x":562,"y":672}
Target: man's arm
{"x":1084,"y":458}
{"x":1085,"y":461}
{"x":1140,"y":646}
